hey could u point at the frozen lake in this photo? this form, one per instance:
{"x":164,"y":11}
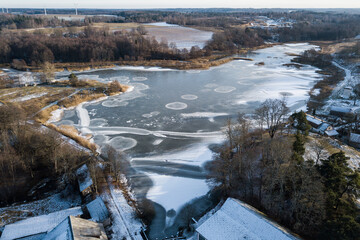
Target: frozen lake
{"x":167,"y":123}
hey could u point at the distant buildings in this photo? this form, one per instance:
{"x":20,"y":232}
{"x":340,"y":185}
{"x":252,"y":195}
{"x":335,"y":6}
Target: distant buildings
{"x":236,"y":220}
{"x":341,"y":112}
{"x":321,"y":127}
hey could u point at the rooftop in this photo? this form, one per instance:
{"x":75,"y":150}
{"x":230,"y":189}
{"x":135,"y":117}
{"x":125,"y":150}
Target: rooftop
{"x":354,"y":137}
{"x":84,"y":177}
{"x":97,"y":210}
{"x":73,"y":228}
{"x":37,"y":225}
{"x":236,"y":220}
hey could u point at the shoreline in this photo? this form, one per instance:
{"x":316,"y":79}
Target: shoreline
{"x":56,"y":112}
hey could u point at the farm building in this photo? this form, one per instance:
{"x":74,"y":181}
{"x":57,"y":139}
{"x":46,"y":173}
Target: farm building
{"x":84,"y":180}
{"x":331,"y":133}
{"x":323,"y":128}
{"x":35,"y":228}
{"x":354,"y":140}
{"x":97,"y":210}
{"x":341,"y":111}
{"x":313,"y":121}
{"x":236,"y":220}
{"x":73,"y":228}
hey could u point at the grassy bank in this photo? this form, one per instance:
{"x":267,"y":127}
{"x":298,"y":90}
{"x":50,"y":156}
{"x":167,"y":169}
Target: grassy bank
{"x":39,"y":102}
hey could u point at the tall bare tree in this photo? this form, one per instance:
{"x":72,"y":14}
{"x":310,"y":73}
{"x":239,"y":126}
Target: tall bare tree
{"x":271,"y":113}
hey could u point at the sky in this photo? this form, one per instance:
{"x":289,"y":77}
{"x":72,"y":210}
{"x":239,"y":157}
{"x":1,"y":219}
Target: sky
{"x":126,"y":4}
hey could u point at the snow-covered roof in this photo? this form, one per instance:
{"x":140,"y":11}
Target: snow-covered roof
{"x":354,"y":137}
{"x":73,"y":228}
{"x":97,"y":210}
{"x":357,"y":37}
{"x":341,"y":109}
{"x":37,"y":225}
{"x":323,"y":127}
{"x":84,"y":177}
{"x":313,"y":120}
{"x":237,"y":220}
{"x":331,"y":133}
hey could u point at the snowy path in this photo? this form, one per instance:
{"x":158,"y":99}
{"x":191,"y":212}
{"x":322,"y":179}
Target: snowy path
{"x":335,"y":98}
{"x":125,"y":225}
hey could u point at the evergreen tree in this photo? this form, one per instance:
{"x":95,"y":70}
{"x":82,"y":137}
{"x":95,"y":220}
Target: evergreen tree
{"x":301,"y":123}
{"x":342,"y":185}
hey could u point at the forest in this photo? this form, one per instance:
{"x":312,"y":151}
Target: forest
{"x":232,"y":33}
{"x":315,"y":198}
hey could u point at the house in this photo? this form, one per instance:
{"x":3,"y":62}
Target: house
{"x":73,"y":228}
{"x":320,"y":126}
{"x":97,"y":210}
{"x":35,"y":228}
{"x":347,"y":93}
{"x":313,"y":121}
{"x":341,"y":111}
{"x":236,"y":220}
{"x":323,"y":128}
{"x":354,"y":140}
{"x":331,"y":133}
{"x":84,"y":180}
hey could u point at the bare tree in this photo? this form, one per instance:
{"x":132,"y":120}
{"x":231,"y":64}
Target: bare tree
{"x":271,"y":113}
{"x":48,"y":72}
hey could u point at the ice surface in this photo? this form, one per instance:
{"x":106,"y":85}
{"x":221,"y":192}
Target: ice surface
{"x":173,"y":192}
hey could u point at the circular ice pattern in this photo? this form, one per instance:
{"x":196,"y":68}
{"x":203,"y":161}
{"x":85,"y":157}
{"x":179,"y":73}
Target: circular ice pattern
{"x":122,"y":143}
{"x":224,"y":89}
{"x":140,"y":78}
{"x":189,"y":97}
{"x":115,"y":103}
{"x":176,"y":105}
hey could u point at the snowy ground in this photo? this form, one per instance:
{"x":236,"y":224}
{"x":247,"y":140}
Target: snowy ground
{"x":125,"y":224}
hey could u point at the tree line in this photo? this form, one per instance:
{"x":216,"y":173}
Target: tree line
{"x":29,"y":154}
{"x":92,"y":45}
{"x":315,"y":198}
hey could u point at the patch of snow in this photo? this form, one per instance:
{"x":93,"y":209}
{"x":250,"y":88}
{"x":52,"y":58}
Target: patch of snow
{"x":28,"y":97}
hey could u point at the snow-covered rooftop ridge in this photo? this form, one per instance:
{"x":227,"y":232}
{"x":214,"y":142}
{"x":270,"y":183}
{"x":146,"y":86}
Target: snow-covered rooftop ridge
{"x":354,"y":137}
{"x":73,"y":228}
{"x":341,"y":109}
{"x":313,"y":120}
{"x":37,"y":225}
{"x":237,"y":220}
{"x":84,"y":177}
{"x":97,"y":210}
